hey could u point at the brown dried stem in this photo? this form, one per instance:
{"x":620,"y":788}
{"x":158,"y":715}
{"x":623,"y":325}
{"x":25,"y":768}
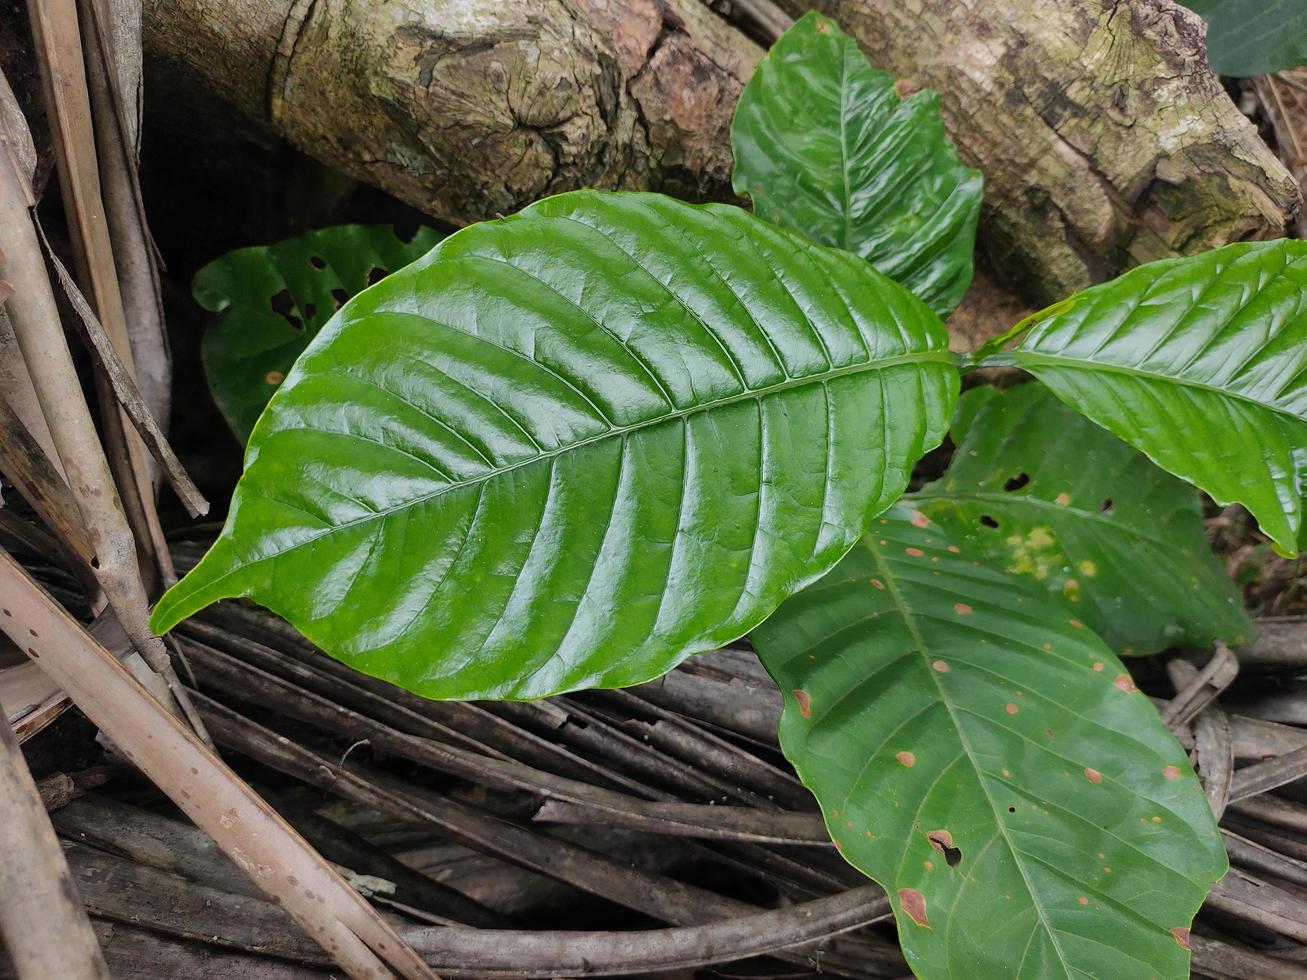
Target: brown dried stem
{"x":41,"y":915}
{"x":260,"y":842}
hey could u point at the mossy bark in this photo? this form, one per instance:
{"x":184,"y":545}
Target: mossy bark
{"x":466,"y":108}
{"x":1104,"y":137}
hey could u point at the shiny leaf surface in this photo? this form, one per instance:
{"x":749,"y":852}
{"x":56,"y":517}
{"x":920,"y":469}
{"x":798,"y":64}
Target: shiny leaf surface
{"x":988,"y":760}
{"x":271,"y":300}
{"x":825,"y":146}
{"x":1042,"y":492}
{"x":572,"y":447}
{"x":1254,"y":38}
{"x":1199,"y":362}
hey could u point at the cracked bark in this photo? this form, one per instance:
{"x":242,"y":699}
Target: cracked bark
{"x":1103,"y":135}
{"x":468,"y":108}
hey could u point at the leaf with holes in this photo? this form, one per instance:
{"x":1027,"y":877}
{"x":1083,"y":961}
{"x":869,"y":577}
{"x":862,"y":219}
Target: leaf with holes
{"x":271,"y":300}
{"x":572,"y":447}
{"x":1043,"y":492}
{"x":1199,"y":362}
{"x":825,"y":146}
{"x":989,"y":761}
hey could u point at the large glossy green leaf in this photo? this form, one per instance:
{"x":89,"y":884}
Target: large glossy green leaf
{"x":825,"y":146}
{"x":271,"y":300}
{"x":1041,"y":491}
{"x":988,"y":760}
{"x":570,"y":448}
{"x":1199,"y":362}
{"x":1254,"y":37}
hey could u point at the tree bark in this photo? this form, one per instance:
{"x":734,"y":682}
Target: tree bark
{"x":1104,"y":136}
{"x":467,"y":108}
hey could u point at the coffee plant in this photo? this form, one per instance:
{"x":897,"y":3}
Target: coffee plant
{"x":572,"y":447}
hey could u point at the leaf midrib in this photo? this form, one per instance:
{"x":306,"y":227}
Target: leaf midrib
{"x":935,"y":356}
{"x":890,"y":579}
{"x":1037,"y":358}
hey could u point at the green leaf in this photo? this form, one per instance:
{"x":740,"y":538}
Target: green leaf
{"x":825,"y":146}
{"x":570,"y":448}
{"x":1246,"y":38}
{"x":271,"y":300}
{"x":988,"y":761}
{"x":1041,"y":491}
{"x":1201,"y":363}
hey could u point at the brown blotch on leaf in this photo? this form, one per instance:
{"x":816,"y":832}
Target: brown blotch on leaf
{"x":942,"y":841}
{"x":1011,"y":708}
{"x":913,"y":552}
{"x":906,"y":758}
{"x":877,"y":583}
{"x":1076,"y":623}
{"x":919,"y":519}
{"x":1171,"y":772}
{"x":914,"y":904}
{"x":1125,"y":682}
{"x":962,"y":609}
{"x":940,"y":666}
{"x":1181,"y":934}
{"x":954,"y":550}
{"x":1093,"y":775}
{"x":274,"y":377}
{"x":1082,"y":900}
{"x":805,"y":702}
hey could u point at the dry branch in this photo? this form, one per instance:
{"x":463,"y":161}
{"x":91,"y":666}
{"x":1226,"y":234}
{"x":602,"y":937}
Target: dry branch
{"x":465,"y":109}
{"x":45,"y":354}
{"x":59,"y":53}
{"x":1104,"y":136}
{"x":173,"y":758}
{"x":41,"y":915}
{"x":112,"y":39}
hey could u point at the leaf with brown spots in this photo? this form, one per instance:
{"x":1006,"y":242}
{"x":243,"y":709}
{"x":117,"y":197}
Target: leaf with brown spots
{"x":1138,"y":572}
{"x":1028,"y":823}
{"x":1198,"y":362}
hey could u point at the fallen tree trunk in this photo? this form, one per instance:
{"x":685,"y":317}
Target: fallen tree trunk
{"x":465,"y":108}
{"x":1104,"y":136}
